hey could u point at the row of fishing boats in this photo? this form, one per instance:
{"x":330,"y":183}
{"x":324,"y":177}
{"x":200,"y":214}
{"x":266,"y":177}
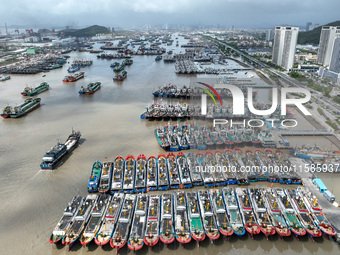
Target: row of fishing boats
{"x":191,"y":136}
{"x":136,"y":220}
{"x":172,"y":171}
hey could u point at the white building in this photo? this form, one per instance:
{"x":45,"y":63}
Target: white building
{"x":327,"y":37}
{"x":284,"y":48}
{"x":269,"y":34}
{"x":333,"y":73}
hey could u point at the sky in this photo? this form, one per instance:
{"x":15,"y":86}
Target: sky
{"x":138,"y":13}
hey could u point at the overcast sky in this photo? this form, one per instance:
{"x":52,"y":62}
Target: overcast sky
{"x":136,"y":13}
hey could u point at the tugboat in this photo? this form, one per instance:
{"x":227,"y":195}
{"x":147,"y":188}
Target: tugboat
{"x":151,"y":170}
{"x":173,"y":171}
{"x":163,"y":176}
{"x":110,"y":219}
{"x":196,"y":177}
{"x":54,"y":156}
{"x":249,"y":218}
{"x":236,"y":219}
{"x":95,"y":177}
{"x":220,"y":212}
{"x":74,"y":77}
{"x":30,"y":91}
{"x":140,"y":179}
{"x":183,"y":169}
{"x":120,"y":77}
{"x":207,"y":213}
{"x":90,"y":89}
{"x":27,"y":106}
{"x":105,"y":179}
{"x":182,"y":227}
{"x":129,"y":174}
{"x":117,"y":174}
{"x":136,"y":237}
{"x":95,"y":220}
{"x":167,"y":230}
{"x":196,"y":226}
{"x":121,"y":232}
{"x":151,"y":236}
{"x":80,"y":221}
{"x":66,"y":220}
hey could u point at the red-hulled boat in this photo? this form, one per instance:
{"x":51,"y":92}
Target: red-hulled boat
{"x":151,"y":236}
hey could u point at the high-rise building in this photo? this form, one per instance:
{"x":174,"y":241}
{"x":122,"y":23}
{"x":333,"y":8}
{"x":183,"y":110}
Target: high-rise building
{"x":269,"y":35}
{"x":327,"y":37}
{"x":335,"y":59}
{"x":284,"y":48}
{"x":308,"y":26}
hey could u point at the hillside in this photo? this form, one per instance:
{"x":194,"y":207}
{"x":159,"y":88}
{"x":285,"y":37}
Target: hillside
{"x":313,"y":36}
{"x":86,"y":32}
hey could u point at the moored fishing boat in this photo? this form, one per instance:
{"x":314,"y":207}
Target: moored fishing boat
{"x":30,"y":91}
{"x":136,"y":237}
{"x":208,"y":216}
{"x":105,"y":178}
{"x":93,"y":183}
{"x":151,"y":171}
{"x":95,"y":220}
{"x":196,"y":226}
{"x":182,"y":227}
{"x":129,"y":174}
{"x":151,"y":236}
{"x":183,"y":169}
{"x":74,"y":77}
{"x":163,"y":176}
{"x":220,"y":212}
{"x":158,"y":58}
{"x":162,"y":138}
{"x":80,"y":221}
{"x":173,"y":171}
{"x":115,"y":64}
{"x":120,"y":77}
{"x":140,"y":179}
{"x":121,"y":232}
{"x":234,"y":213}
{"x":4,"y":78}
{"x":117,"y":174}
{"x":110,"y":219}
{"x":66,"y":220}
{"x":196,"y":177}
{"x":167,"y":228}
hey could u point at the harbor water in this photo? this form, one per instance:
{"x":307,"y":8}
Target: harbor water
{"x":33,"y":200}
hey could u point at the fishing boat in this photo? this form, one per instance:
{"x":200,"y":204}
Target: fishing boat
{"x":93,"y":183}
{"x":115,"y":64}
{"x":163,"y":176}
{"x":200,"y":144}
{"x":90,"y":89}
{"x":136,"y":238}
{"x":80,"y":221}
{"x":118,"y":68}
{"x":220,"y":213}
{"x":275,"y":213}
{"x":209,"y":221}
{"x":54,"y":156}
{"x":4,"y":78}
{"x":151,"y":171}
{"x":173,"y":171}
{"x":196,"y":177}
{"x":196,"y":226}
{"x":129,"y":174}
{"x":30,"y":91}
{"x":127,"y":62}
{"x":162,"y":138}
{"x":121,"y":232}
{"x":249,"y":218}
{"x":183,"y":169}
{"x":27,"y":106}
{"x":73,"y":69}
{"x":74,"y":77}
{"x":234,"y":213}
{"x":140,"y":179}
{"x":96,"y":217}
{"x":167,"y":230}
{"x":117,"y":174}
{"x":289,"y":213}
{"x":66,"y":220}
{"x":182,"y":227}
{"x":158,"y":58}
{"x":220,"y":165}
{"x":120,"y":77}
{"x":110,"y":219}
{"x":207,"y":169}
{"x":105,"y":178}
{"x":151,"y":236}
{"x":260,"y":211}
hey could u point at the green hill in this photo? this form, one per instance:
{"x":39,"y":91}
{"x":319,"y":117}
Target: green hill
{"x":86,"y":32}
{"x":313,"y":36}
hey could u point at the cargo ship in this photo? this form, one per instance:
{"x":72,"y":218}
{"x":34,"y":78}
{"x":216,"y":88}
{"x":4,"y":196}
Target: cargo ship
{"x":120,"y":77}
{"x":73,"y":69}
{"x":27,"y":106}
{"x":90,"y":89}
{"x":54,"y":156}
{"x":74,"y":77}
{"x":30,"y":91}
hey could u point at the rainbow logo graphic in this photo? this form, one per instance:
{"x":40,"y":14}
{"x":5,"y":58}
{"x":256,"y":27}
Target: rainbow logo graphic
{"x":209,"y":93}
